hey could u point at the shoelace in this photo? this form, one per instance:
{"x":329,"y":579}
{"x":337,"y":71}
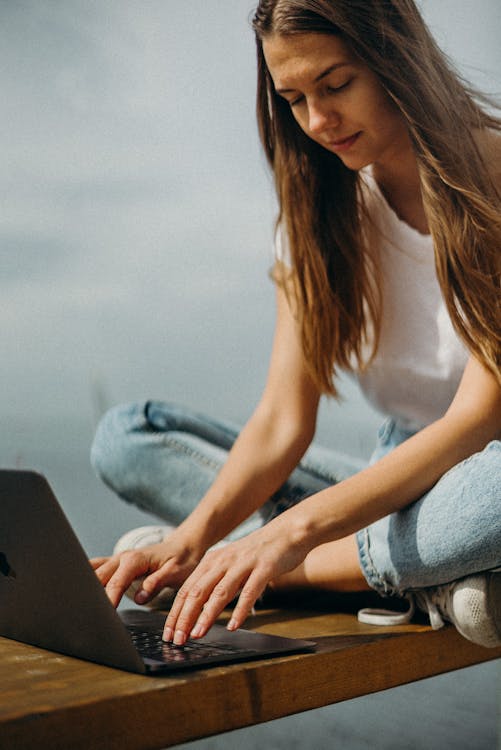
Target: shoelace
{"x":434,"y":602}
{"x":371,"y":616}
{"x":438,"y":603}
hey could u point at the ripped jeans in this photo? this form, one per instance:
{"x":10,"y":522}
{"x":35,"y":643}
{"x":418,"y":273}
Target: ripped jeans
{"x":163,"y":458}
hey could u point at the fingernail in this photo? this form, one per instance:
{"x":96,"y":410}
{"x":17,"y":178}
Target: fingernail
{"x":167,"y":636}
{"x":179,"y":638}
{"x":197,"y":631}
{"x":142,"y":597}
{"x":232,"y":625}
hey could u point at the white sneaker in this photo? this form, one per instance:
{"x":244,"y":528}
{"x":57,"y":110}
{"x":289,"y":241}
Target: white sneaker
{"x":472,"y":605}
{"x":142,"y":537}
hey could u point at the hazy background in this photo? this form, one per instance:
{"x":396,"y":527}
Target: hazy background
{"x":135,"y":237}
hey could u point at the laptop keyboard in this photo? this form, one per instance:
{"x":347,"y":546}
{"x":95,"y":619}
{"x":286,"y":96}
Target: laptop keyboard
{"x":150,"y":645}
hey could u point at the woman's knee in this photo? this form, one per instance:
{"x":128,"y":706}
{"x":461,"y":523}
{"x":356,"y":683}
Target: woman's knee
{"x":112,"y":444}
{"x":477,"y":478}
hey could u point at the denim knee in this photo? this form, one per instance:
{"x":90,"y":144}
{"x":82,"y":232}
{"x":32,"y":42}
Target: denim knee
{"x":452,"y":531}
{"x":151,"y":455}
{"x":111,"y":448}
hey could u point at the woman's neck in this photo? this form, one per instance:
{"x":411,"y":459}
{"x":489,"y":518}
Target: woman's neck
{"x":400,"y":184}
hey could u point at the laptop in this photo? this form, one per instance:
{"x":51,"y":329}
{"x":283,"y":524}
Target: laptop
{"x":50,"y":597}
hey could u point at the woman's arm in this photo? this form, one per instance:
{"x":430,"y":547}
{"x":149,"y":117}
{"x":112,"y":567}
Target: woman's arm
{"x":402,"y":476}
{"x":271,"y":443}
{"x":267,"y":450}
{"x":395,"y":481}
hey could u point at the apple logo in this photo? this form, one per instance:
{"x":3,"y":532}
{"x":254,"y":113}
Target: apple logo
{"x":5,"y":568}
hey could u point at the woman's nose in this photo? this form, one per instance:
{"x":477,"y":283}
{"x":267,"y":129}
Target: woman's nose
{"x":320,"y":117}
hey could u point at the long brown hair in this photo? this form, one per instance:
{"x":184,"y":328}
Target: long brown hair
{"x":334,"y":274}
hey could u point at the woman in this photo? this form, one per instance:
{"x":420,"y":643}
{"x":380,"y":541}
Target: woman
{"x":388,"y":176}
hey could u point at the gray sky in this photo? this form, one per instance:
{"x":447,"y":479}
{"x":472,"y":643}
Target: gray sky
{"x":137,"y":212}
{"x":135,"y":197}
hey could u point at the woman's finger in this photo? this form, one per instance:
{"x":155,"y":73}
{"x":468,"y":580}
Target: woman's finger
{"x":189,"y":602}
{"x":131,"y":565}
{"x":223,"y":593}
{"x":170,"y":573}
{"x":107,"y":568}
{"x":249,"y":595}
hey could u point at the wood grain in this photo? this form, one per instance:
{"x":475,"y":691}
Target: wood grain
{"x":53,"y":701}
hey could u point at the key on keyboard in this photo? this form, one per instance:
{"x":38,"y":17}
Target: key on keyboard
{"x":150,"y":645}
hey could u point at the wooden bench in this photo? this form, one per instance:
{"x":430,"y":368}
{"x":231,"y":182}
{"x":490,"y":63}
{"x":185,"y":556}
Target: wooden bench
{"x":57,"y":702}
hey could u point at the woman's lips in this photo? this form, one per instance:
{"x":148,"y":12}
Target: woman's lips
{"x":343,"y":144}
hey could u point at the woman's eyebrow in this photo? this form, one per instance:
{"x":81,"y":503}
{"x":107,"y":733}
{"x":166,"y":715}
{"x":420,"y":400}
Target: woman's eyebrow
{"x":321,"y":75}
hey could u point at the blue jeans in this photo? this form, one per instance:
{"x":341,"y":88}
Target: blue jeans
{"x":163,"y":458}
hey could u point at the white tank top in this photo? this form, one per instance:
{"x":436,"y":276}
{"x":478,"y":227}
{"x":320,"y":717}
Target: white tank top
{"x":420,"y":359}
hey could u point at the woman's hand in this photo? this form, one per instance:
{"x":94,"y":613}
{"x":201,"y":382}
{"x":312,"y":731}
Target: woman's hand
{"x":168,"y":563}
{"x":243,"y":569}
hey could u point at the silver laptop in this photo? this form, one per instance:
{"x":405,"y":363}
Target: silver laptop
{"x":50,"y":596}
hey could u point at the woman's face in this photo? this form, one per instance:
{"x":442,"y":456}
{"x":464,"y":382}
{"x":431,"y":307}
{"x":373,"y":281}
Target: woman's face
{"x":336,"y":99}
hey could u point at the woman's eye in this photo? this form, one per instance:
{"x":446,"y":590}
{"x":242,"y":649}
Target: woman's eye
{"x":334,"y":89}
{"x":329,"y":90}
